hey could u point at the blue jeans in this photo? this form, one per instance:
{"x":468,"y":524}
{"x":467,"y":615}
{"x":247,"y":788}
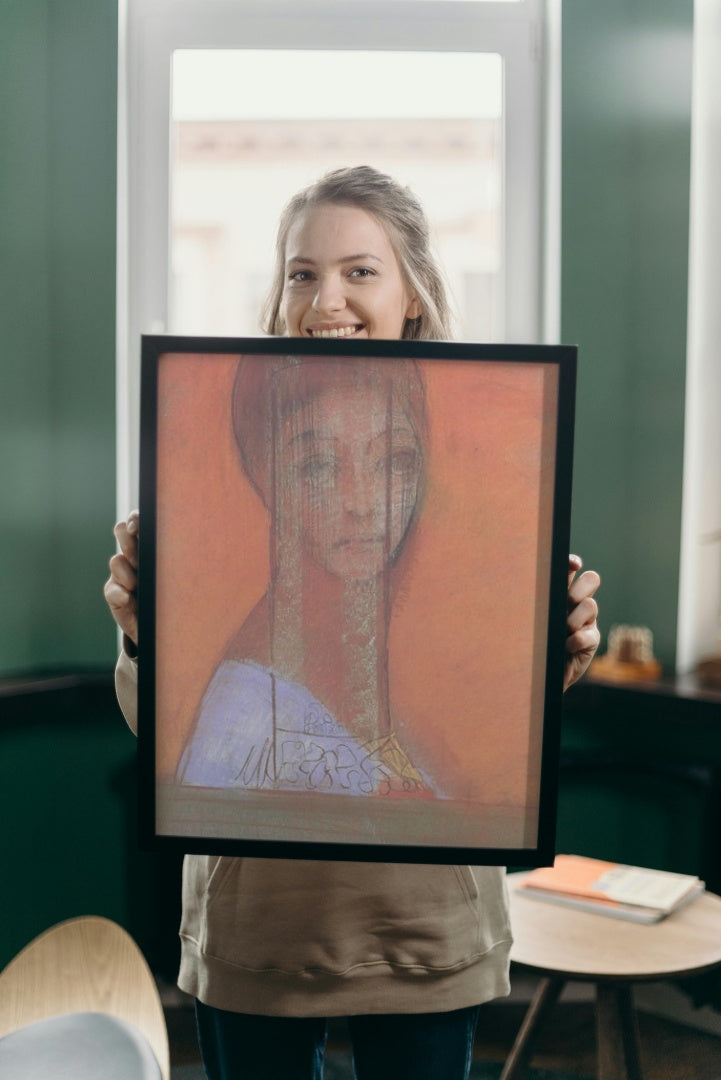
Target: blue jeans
{"x":414,"y":1046}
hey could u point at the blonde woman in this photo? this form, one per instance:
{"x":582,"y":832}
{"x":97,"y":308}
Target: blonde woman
{"x":271,"y":948}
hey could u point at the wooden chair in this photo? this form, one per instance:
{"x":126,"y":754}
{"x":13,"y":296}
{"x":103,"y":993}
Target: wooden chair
{"x":89,"y":971}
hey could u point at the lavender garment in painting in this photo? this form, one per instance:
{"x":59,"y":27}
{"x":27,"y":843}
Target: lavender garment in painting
{"x":235,"y":742}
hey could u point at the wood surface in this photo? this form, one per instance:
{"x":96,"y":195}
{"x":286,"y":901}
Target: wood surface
{"x":88,"y":964}
{"x":559,"y":940}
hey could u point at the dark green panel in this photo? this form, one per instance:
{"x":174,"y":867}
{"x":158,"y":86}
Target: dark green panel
{"x":66,"y":787}
{"x":58,"y":80}
{"x":82,"y":204}
{"x":641,"y":777}
{"x":626,"y":143}
{"x":68,"y":784}
{"x":26,"y":489}
{"x":641,"y":820}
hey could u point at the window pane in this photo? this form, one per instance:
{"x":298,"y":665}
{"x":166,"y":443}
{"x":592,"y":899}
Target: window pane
{"x":432,"y":120}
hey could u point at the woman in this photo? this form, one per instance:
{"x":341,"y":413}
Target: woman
{"x":270,"y":948}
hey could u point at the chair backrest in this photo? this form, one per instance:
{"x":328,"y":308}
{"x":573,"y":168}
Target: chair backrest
{"x":88,"y":964}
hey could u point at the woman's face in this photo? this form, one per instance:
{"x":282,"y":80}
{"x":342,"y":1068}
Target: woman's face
{"x":342,"y":277}
{"x":354,"y":463}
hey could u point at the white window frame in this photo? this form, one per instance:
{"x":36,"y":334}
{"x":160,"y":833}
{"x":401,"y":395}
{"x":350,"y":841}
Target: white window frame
{"x":699,"y":597}
{"x":526,"y":34}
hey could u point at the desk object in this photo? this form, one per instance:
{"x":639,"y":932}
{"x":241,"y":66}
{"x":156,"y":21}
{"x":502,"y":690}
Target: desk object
{"x":563,"y":945}
{"x":614,"y":889}
{"x":630,"y":656}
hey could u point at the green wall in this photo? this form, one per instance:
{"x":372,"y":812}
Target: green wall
{"x":67,"y":772}
{"x":626,"y":144}
{"x":58,"y":72}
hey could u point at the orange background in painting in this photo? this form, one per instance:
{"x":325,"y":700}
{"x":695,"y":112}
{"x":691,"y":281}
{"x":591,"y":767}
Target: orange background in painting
{"x":464,"y":612}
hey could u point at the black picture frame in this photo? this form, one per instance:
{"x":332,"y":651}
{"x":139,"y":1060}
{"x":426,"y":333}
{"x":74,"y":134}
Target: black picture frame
{"x":476,"y":615}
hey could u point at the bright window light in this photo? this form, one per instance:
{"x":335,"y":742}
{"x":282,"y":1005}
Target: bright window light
{"x":220,"y":84}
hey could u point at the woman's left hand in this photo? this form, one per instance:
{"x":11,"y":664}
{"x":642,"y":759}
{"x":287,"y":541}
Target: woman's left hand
{"x":582,"y":634}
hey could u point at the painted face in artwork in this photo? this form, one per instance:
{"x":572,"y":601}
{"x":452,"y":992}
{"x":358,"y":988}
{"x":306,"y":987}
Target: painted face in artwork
{"x":342,"y":277}
{"x":353,"y":464}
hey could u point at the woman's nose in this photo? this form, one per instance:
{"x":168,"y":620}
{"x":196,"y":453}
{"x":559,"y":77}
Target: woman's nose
{"x":329,"y":296}
{"x":360,"y":494}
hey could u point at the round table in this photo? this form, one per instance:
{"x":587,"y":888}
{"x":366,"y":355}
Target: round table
{"x":562,"y":944}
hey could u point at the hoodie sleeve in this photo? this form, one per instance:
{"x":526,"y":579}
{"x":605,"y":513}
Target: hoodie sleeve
{"x":126,"y":688}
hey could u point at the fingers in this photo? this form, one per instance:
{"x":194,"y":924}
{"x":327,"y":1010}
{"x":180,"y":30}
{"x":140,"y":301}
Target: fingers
{"x":121,"y":587}
{"x":582,"y":607}
{"x":123,"y":607}
{"x":583,"y":636}
{"x":582,"y":587}
{"x":581,"y":625}
{"x":120,"y":600}
{"x":575,"y":562}
{"x":583,"y":613}
{"x":126,"y":534}
{"x":124,"y":572}
{"x":584,"y":641}
{"x":581,"y":648}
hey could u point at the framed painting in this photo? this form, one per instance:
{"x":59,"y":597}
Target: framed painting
{"x":352,"y":597}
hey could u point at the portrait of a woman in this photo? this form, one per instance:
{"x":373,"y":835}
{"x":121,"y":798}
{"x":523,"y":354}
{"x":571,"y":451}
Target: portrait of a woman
{"x":336,"y":450}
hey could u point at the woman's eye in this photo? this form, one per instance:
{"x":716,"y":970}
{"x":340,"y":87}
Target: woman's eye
{"x":362,"y":272}
{"x":403,"y":463}
{"x":300,"y":276}
{"x":317,"y":469}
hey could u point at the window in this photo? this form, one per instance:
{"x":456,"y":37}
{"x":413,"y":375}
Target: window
{"x":227,"y":107}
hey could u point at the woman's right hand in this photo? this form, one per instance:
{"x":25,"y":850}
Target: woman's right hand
{"x":121,"y":587}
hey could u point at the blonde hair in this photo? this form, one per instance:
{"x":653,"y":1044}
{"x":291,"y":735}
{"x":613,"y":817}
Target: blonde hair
{"x":403,"y":217}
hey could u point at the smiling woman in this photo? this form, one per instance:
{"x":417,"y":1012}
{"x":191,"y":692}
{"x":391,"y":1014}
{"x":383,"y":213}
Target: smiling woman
{"x":290,"y":942}
{"x":353,"y":259}
{"x":337,"y":257}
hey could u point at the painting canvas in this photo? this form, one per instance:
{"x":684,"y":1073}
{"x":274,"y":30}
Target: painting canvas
{"x":353,"y":568}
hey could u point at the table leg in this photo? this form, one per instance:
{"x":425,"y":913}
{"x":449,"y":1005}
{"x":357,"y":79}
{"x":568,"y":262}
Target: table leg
{"x":617,"y":1033}
{"x":545,"y":997}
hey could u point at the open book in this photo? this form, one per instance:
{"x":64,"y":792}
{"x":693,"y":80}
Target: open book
{"x":608,"y":888}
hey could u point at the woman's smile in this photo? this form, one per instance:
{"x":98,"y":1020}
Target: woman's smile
{"x":324,"y":331}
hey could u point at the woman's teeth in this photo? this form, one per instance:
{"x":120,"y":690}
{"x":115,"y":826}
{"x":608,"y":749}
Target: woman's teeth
{"x":337,"y":331}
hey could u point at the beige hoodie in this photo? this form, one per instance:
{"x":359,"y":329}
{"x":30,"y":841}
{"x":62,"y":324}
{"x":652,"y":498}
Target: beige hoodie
{"x":299,"y":938}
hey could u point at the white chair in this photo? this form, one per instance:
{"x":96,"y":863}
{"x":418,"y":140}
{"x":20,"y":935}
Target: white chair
{"x":80,"y":1002}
